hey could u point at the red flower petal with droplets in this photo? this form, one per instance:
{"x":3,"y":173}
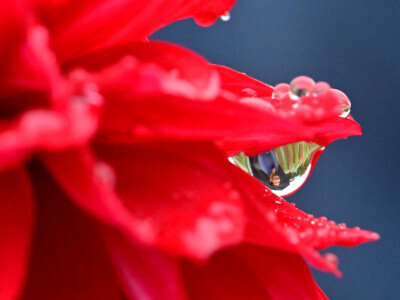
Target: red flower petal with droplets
{"x":78,"y":28}
{"x":258,"y":94}
{"x":168,"y":102}
{"x":180,"y":217}
{"x":273,"y":222}
{"x":265,"y":271}
{"x":163,"y":206}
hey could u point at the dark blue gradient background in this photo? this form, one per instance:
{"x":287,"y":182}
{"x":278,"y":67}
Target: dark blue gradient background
{"x":354,"y":46}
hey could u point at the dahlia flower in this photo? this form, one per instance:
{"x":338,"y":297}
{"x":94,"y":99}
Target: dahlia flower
{"x":114,"y":174}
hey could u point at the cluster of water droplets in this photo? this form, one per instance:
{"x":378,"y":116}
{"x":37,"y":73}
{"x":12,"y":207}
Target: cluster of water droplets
{"x":310,"y":101}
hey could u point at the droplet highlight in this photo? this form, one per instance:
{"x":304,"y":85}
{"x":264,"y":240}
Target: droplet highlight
{"x":226,"y":16}
{"x":283,"y":170}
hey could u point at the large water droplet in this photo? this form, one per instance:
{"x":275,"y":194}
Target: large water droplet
{"x":344,"y":101}
{"x":300,"y":86}
{"x":226,"y":16}
{"x":284,"y":169}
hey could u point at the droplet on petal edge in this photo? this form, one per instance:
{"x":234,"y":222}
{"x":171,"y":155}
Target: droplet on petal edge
{"x":284,"y":170}
{"x":300,"y":86}
{"x":247,"y":92}
{"x":344,"y":102}
{"x":226,"y":16}
{"x":308,"y":101}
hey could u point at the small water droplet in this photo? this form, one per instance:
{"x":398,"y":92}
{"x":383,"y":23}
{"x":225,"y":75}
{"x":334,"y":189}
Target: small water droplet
{"x":278,"y":202}
{"x":319,"y":88}
{"x":249,"y":92}
{"x":284,"y":169}
{"x":312,"y":222}
{"x":226,"y":16}
{"x":300,"y":86}
{"x":280,"y":91}
{"x":142,"y":130}
{"x":104,"y":173}
{"x":342,"y":225}
{"x":293,"y":204}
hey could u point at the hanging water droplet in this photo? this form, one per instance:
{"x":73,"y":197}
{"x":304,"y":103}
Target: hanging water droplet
{"x":226,"y":16}
{"x":344,"y":101}
{"x":300,"y":86}
{"x":284,"y":169}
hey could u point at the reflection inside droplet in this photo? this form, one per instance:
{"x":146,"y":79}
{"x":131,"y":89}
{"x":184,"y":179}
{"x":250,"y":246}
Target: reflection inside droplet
{"x":344,"y":102}
{"x":300,"y":86}
{"x":284,"y":169}
{"x":226,"y":16}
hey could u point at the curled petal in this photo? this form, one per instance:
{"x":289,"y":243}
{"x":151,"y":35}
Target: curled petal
{"x":264,"y":270}
{"x":196,"y":209}
{"x":32,"y":78}
{"x":81,"y":27}
{"x":90,"y":184}
{"x":47,"y":130}
{"x":16,"y":224}
{"x":273,"y":222}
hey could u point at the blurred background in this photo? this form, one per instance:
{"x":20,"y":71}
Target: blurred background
{"x":355,"y":47}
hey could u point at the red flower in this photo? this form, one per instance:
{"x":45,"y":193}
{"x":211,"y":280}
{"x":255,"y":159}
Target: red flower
{"x":114,"y":172}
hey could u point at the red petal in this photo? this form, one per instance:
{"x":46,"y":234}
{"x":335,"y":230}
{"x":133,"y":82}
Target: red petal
{"x":155,"y":67}
{"x":250,"y":272}
{"x":322,"y":131}
{"x":32,"y":78}
{"x":241,"y":84}
{"x":90,"y":184}
{"x":182,"y":193}
{"x":48,"y":130}
{"x":157,"y":93}
{"x":273,"y":222}
{"x":16,"y":224}
{"x":79,"y":27}
{"x":145,"y":273}
{"x":13,"y":23}
{"x":68,"y":260}
{"x":167,"y":100}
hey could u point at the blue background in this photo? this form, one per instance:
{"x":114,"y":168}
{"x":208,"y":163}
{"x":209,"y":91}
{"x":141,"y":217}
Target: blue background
{"x":355,"y":47}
